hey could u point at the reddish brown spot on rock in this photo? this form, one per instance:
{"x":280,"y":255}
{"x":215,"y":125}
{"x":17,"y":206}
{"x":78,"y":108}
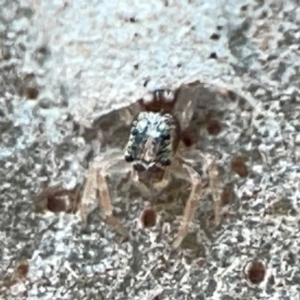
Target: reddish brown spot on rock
{"x":56,"y":199}
{"x":22,"y":269}
{"x":213,"y":127}
{"x":149,"y":217}
{"x":256,"y":272}
{"x":56,"y":204}
{"x":239,"y":166}
{"x":189,"y":137}
{"x":32,"y":93}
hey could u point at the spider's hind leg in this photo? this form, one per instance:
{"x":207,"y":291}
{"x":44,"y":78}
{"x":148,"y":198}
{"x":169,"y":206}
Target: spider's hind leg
{"x":191,"y":206}
{"x":216,"y":188}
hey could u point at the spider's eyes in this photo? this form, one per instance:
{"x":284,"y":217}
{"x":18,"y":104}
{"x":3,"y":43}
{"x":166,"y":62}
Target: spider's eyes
{"x":129,"y":158}
{"x":168,"y":96}
{"x":148,"y":98}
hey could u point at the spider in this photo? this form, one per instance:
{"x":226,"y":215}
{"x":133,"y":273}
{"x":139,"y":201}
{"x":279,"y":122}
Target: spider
{"x":151,"y":155}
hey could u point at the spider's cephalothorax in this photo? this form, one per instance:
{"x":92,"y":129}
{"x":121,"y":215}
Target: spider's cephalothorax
{"x":153,"y":141}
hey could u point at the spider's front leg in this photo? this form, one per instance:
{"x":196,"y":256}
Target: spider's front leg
{"x":96,"y":187}
{"x":191,"y":204}
{"x":216,"y":188}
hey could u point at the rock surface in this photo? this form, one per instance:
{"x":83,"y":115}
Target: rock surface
{"x":71,"y":72}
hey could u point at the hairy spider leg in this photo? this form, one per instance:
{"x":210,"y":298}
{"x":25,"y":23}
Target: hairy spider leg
{"x":97,"y":187}
{"x":192,"y":204}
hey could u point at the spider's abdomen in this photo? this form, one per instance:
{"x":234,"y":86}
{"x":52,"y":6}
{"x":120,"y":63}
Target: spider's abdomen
{"x":153,"y":140}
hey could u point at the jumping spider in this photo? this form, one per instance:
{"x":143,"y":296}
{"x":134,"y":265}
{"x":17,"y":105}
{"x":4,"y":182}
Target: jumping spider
{"x":151,"y":156}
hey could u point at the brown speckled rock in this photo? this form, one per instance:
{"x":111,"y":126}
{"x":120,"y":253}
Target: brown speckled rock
{"x":71,"y":73}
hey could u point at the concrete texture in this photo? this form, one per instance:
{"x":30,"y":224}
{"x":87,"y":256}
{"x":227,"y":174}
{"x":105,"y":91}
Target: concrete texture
{"x":71,"y":72}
